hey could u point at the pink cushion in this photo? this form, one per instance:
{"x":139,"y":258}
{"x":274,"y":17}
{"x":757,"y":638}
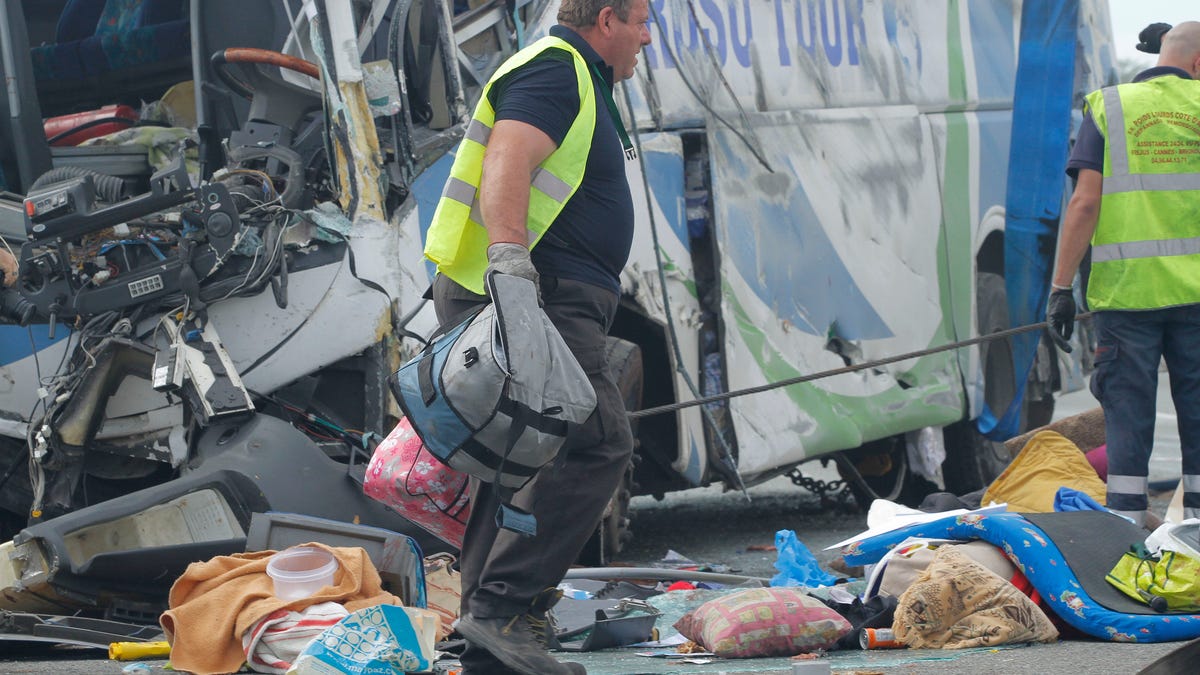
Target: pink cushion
{"x":1098,"y":458}
{"x":763,"y":622}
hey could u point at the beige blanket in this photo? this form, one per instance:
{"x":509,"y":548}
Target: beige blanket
{"x":957,"y":603}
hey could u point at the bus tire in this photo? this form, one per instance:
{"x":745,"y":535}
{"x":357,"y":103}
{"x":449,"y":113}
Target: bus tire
{"x":972,"y":460}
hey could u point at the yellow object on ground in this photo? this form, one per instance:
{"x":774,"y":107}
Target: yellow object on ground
{"x":1175,"y":577}
{"x":130,"y":651}
{"x":180,"y":101}
{"x":1047,"y":462}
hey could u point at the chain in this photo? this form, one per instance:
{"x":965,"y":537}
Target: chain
{"x":627,"y":605}
{"x":839,"y":489}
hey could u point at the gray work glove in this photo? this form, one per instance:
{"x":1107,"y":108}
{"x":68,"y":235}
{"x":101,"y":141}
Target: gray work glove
{"x":508,"y":258}
{"x":1060,"y":314}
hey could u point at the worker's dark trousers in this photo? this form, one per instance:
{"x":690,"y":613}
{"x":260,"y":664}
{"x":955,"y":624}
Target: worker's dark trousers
{"x":1129,"y":347}
{"x":503,"y":571}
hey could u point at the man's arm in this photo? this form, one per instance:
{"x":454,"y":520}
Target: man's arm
{"x":514,"y":150}
{"x":1078,"y":225}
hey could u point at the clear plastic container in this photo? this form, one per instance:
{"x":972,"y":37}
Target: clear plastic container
{"x":300,"y":571}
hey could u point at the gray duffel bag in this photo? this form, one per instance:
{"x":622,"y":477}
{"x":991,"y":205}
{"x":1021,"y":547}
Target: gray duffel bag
{"x":495,"y":395}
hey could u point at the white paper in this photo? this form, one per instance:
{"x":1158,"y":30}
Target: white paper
{"x":891,"y":516}
{"x":669,"y":641}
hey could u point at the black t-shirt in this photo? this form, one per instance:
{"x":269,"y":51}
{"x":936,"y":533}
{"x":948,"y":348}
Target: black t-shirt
{"x":589,"y":241}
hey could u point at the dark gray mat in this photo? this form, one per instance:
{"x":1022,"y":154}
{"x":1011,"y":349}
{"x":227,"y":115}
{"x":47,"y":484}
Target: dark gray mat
{"x":1092,"y":542}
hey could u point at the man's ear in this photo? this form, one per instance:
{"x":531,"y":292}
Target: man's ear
{"x":604,"y":19}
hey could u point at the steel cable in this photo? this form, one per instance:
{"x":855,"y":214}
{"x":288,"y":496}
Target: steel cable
{"x":672,"y":407}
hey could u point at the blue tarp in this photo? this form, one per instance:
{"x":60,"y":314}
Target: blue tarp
{"x":1036,"y":180}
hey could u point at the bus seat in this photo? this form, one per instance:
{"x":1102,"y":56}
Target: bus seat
{"x":102,"y":45}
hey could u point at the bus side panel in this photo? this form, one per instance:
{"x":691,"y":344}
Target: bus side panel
{"x":829,"y":256}
{"x":773,"y":55}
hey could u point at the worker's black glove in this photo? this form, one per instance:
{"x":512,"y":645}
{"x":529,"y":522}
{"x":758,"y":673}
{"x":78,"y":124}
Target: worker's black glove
{"x":1060,"y":314}
{"x":509,"y":258}
{"x":1150,"y":39}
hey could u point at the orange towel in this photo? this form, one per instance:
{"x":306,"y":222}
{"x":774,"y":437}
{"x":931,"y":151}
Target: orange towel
{"x":215,"y":602}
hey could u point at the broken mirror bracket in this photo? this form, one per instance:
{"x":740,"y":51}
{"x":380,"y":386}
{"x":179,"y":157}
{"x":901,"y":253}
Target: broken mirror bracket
{"x":75,"y":630}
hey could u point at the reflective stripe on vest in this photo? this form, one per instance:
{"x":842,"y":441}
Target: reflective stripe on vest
{"x":1146,"y":247}
{"x":457,"y":240}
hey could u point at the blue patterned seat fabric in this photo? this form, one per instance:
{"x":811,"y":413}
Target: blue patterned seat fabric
{"x":96,"y":37}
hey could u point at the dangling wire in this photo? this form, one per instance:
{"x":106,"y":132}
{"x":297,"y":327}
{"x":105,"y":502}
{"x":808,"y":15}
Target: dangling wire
{"x":703,"y":100}
{"x":726,"y":457}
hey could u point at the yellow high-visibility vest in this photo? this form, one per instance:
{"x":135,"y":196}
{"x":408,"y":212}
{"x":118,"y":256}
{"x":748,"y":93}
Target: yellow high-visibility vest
{"x":1146,"y":248}
{"x":457,"y":240}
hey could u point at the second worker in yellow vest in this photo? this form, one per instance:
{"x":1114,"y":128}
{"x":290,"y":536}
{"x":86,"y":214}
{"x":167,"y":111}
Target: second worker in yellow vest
{"x":1137,"y":202}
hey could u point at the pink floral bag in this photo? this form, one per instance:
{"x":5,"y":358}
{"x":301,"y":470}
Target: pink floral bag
{"x":404,"y":475}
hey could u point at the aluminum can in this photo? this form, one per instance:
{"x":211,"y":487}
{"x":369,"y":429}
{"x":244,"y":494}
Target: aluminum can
{"x":878,"y":638}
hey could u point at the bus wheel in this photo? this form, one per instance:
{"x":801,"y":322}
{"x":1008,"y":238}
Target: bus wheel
{"x":972,"y":460}
{"x":880,"y":470}
{"x":611,"y":535}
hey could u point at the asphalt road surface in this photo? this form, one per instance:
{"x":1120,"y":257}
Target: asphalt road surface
{"x":721,"y":528}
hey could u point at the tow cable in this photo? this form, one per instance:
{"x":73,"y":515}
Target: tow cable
{"x":840,"y":489}
{"x":672,"y":407}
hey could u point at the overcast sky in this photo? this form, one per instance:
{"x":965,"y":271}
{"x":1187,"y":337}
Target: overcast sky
{"x":1129,"y":17}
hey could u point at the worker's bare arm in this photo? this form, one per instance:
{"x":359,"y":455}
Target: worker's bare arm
{"x":514,"y":150}
{"x":1078,"y":225}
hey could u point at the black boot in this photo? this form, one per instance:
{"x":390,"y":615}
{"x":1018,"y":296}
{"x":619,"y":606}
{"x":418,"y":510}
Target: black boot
{"x":513,"y":642}
{"x":540,"y":621}
{"x":479,"y":661}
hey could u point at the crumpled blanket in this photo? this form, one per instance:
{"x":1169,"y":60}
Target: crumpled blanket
{"x":275,"y":641}
{"x":162,"y":144}
{"x":958,"y":603}
{"x":215,"y":602}
{"x":1047,"y":462}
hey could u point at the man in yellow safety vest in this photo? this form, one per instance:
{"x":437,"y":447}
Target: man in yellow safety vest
{"x":1137,"y":200}
{"x":538,"y":190}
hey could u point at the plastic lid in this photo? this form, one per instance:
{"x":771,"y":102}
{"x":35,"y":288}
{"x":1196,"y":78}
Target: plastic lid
{"x":300,"y":564}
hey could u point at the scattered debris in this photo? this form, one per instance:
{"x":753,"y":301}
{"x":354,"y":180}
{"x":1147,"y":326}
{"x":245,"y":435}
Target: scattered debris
{"x":676,"y":561}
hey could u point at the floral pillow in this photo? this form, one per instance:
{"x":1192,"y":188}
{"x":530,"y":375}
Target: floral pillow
{"x":763,"y":622}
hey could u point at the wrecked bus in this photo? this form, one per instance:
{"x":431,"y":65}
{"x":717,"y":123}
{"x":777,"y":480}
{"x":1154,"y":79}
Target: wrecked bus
{"x":209,"y":299}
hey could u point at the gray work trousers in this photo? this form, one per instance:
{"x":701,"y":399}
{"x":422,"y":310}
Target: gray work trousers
{"x":503,"y":572}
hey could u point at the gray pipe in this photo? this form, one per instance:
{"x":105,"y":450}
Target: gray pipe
{"x":659,"y":574}
{"x":110,"y":188}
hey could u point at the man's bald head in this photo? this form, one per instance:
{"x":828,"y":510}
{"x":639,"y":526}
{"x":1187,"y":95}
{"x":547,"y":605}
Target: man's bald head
{"x":1181,"y":48}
